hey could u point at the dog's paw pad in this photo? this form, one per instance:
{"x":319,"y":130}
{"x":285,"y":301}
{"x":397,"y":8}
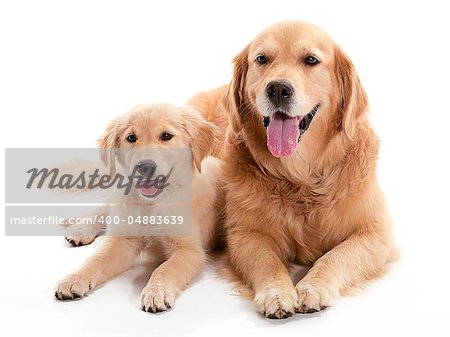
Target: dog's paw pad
{"x":276,"y":302}
{"x":72,"y":287}
{"x":157,"y":298}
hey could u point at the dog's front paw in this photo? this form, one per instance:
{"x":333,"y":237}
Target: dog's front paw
{"x":276,"y":301}
{"x":157,"y":297}
{"x":73,"y":287}
{"x":313,"y":298}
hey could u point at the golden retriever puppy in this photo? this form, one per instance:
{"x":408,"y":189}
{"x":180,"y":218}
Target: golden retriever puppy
{"x":127,"y":140}
{"x":299,"y":163}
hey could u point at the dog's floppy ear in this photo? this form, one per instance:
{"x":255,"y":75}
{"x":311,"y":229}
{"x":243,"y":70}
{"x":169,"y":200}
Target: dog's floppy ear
{"x":352,"y":101}
{"x":202,"y":134}
{"x":236,"y":94}
{"x":109,"y":142}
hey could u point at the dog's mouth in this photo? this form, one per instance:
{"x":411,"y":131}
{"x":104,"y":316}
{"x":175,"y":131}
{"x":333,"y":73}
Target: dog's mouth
{"x":149,"y":188}
{"x":284,"y":132}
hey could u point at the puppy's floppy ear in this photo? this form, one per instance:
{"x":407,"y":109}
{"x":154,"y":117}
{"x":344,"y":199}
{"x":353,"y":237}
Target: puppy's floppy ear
{"x":202,"y":134}
{"x":353,"y":102}
{"x":109,"y":142}
{"x":236,"y":94}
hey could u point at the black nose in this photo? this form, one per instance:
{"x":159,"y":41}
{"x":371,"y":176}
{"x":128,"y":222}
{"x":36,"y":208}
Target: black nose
{"x":279,"y":92}
{"x":146,"y":167}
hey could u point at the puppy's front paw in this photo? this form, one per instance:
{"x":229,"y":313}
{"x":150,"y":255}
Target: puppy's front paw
{"x":73,"y":287}
{"x":276,"y":301}
{"x":157,"y":297}
{"x":313,"y":298}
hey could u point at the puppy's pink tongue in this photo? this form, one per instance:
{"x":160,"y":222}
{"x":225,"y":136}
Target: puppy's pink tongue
{"x":148,"y":188}
{"x":282,"y":134}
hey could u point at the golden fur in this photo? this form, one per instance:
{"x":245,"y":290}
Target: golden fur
{"x":182,"y":256}
{"x":322,"y":206}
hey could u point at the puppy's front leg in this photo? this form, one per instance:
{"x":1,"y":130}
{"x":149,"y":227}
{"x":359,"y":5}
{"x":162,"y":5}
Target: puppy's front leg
{"x":356,"y":260}
{"x":116,"y":255}
{"x":255,"y":256}
{"x":171,"y":277}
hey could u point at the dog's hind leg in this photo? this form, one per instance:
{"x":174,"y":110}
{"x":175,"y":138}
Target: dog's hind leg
{"x":87,"y":230}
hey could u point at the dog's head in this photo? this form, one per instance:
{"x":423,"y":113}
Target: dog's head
{"x":147,"y":141}
{"x":289,"y":77}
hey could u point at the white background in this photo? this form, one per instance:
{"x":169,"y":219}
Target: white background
{"x":68,"y":67}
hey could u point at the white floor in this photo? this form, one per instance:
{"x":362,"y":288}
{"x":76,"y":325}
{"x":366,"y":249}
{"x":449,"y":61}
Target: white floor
{"x":404,"y":302}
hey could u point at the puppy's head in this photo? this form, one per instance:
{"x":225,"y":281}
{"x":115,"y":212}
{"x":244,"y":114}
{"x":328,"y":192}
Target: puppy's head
{"x":148,"y":140}
{"x":290,"y":74}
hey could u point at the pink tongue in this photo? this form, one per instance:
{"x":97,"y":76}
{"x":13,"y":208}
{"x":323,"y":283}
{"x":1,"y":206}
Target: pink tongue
{"x":148,"y":188}
{"x":282,"y":134}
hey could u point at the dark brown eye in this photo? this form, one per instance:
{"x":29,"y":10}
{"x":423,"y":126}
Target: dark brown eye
{"x":132,"y":138}
{"x":261,"y":59}
{"x":311,"y":60}
{"x":166,"y":136}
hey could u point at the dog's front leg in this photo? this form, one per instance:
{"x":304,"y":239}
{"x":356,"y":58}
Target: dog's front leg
{"x":353,"y":262}
{"x":116,"y":255}
{"x":186,"y":258}
{"x":256,"y":257}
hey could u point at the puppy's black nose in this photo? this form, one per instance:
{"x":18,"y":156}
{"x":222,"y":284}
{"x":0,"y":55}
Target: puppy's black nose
{"x":279,"y":92}
{"x":146,"y":167}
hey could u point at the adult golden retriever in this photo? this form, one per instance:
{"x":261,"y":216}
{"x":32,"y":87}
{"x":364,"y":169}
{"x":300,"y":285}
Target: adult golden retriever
{"x":300,"y":171}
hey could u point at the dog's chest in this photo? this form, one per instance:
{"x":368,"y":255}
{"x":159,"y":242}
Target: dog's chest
{"x":302,"y":217}
{"x":299,"y":201}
